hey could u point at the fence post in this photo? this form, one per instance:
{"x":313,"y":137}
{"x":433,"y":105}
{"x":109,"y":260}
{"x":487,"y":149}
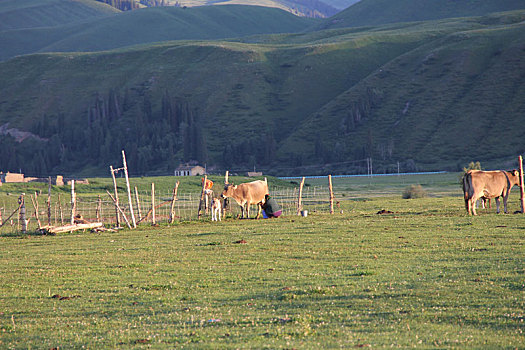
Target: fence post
{"x":173,"y":199}
{"x":119,"y":209}
{"x":202,"y":196}
{"x":49,"y":201}
{"x":22,"y":214}
{"x":117,"y":213}
{"x":225,"y":203}
{"x":129,"y":190}
{"x":299,"y":198}
{"x":73,"y":202}
{"x":60,"y":210}
{"x":138,"y":203}
{"x":35,"y":206}
{"x":331,"y":194}
{"x":153,"y":219}
{"x":99,"y":209}
{"x":522,"y":186}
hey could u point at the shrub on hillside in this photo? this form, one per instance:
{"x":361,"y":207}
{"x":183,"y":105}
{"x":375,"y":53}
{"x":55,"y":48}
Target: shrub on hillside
{"x":414,"y":191}
{"x":471,"y":166}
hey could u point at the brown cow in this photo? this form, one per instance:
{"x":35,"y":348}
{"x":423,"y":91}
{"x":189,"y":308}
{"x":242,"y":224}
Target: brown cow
{"x":488,"y":184}
{"x":246,"y":194}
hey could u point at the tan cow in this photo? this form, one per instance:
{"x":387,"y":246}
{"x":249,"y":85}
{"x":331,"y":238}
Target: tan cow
{"x":246,"y":194}
{"x":488,"y":184}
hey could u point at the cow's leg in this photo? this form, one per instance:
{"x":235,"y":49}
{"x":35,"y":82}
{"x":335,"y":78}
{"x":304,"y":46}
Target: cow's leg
{"x":219,"y":213}
{"x":467,"y":206}
{"x":258,"y":210}
{"x":497,"y":205}
{"x":247,"y":210}
{"x":472,"y":206}
{"x":505,"y":203}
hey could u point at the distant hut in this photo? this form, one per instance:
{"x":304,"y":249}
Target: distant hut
{"x":189,"y":170}
{"x":11,"y":177}
{"x":254,"y":173}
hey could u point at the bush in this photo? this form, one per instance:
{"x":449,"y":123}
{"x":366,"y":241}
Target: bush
{"x":414,"y":191}
{"x":471,"y":166}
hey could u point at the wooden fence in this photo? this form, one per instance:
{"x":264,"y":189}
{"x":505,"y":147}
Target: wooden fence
{"x":101,"y":208}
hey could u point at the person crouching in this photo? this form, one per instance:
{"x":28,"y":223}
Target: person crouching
{"x":271,"y":209}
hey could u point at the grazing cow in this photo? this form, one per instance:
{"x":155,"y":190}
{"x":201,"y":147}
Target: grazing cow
{"x":246,"y":194}
{"x":215,"y":209}
{"x":488,"y":184}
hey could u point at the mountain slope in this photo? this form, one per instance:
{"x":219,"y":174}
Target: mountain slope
{"x":456,"y":99}
{"x":341,"y":4}
{"x":428,"y":95}
{"x":16,"y":14}
{"x":152,"y":25}
{"x":377,"y":12}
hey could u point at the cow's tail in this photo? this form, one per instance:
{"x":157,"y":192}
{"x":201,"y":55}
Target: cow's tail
{"x":467,"y":188}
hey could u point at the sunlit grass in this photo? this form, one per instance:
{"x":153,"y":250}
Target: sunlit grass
{"x":426,"y":275}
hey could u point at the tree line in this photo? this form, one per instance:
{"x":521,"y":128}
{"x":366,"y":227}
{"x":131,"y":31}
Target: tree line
{"x":123,"y":5}
{"x":128,"y":5}
{"x":157,"y":131}
{"x":156,"y":135}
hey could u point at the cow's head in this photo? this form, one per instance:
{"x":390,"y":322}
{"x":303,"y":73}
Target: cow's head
{"x":229,"y":189}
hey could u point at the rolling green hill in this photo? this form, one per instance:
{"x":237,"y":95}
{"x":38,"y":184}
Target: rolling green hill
{"x":430,"y":95}
{"x":341,"y":4}
{"x":16,"y":14}
{"x":152,"y":25}
{"x":377,"y":12}
{"x":457,"y":98}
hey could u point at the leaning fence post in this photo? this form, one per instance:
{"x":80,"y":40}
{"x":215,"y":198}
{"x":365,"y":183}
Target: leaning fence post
{"x":331,"y":194}
{"x":299,"y":198}
{"x":522,"y":186}
{"x":129,"y":190}
{"x":117,"y":213}
{"x":137,"y":201}
{"x":119,"y":209}
{"x":35,"y":206}
{"x":173,"y":199}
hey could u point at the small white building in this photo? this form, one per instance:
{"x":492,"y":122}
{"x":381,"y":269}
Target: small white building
{"x":11,"y":177}
{"x":189,"y":170}
{"x":254,"y":173}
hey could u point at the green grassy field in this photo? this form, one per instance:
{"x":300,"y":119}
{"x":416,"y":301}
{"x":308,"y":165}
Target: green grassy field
{"x":426,"y":275}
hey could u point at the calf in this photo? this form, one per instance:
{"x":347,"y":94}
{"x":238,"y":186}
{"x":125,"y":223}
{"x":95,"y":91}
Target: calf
{"x":488,"y":184}
{"x":246,"y":194}
{"x":216,"y":209}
